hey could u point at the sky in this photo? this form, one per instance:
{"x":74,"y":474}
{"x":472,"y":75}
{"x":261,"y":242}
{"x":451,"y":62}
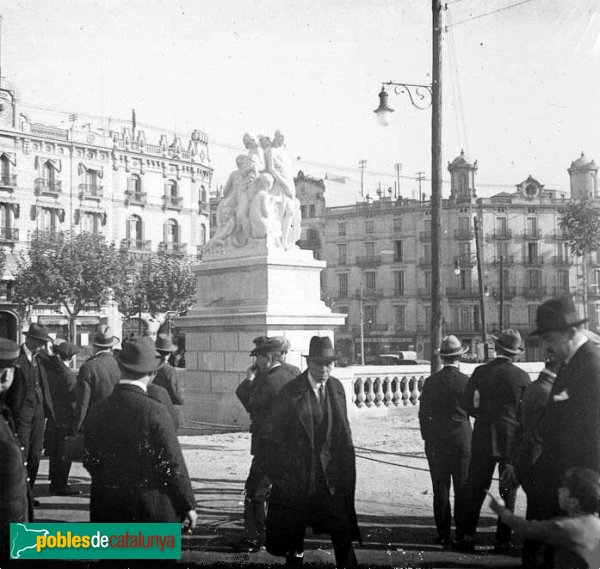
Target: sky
{"x":520,"y":84}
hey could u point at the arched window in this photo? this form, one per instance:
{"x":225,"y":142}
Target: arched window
{"x":48,"y":220}
{"x":135,"y":230}
{"x":171,"y":234}
{"x":48,"y":174}
{"x":171,"y":189}
{"x":4,"y":168}
{"x":135,"y":186}
{"x":203,"y":196}
{"x":202,"y":237}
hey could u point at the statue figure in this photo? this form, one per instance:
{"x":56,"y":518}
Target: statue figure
{"x":263,"y":219}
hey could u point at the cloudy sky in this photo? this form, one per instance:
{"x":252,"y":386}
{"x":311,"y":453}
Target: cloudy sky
{"x":521,"y":84}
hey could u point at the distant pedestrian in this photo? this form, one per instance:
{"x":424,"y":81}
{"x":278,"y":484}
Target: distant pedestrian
{"x":169,"y":377}
{"x":258,"y":394}
{"x":493,"y":396}
{"x":311,"y":463}
{"x":447,"y":432}
{"x":15,"y":496}
{"x":97,"y":376}
{"x":132,"y":452}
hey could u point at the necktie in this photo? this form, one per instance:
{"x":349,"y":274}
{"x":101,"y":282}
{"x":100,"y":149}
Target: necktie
{"x":322,"y":397}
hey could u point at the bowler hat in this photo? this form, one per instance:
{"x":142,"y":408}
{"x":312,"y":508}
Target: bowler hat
{"x":104,"y":337}
{"x":451,"y":346}
{"x":509,"y":341}
{"x":320,"y":350}
{"x":164,"y":343}
{"x":9,"y":350}
{"x":39,"y":332}
{"x":259,"y":342}
{"x":557,"y":314}
{"x":67,"y":350}
{"x":138,"y":355}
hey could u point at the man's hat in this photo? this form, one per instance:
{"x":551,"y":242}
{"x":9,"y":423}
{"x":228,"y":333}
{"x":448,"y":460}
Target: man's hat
{"x":138,"y":355}
{"x":509,"y":341}
{"x":66,"y":350}
{"x":104,"y":337}
{"x":9,"y":350}
{"x":557,"y":314}
{"x":39,"y":332}
{"x":259,"y":342}
{"x":164,"y":344}
{"x":320,"y":350}
{"x":451,"y":346}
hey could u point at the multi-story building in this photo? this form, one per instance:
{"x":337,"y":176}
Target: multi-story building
{"x":378,"y":257}
{"x":147,"y":194}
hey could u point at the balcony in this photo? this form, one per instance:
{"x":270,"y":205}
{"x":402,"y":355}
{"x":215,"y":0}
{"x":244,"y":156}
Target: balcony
{"x":424,"y":262}
{"x":137,"y":244}
{"x":9,"y":234}
{"x":368,"y":260}
{"x":136,"y":198}
{"x":507,"y":260}
{"x":46,"y":235}
{"x":507,"y":292}
{"x":424,"y":292}
{"x":564,"y":290}
{"x":500,"y":235}
{"x":464,"y":234}
{"x":91,"y":192}
{"x":536,"y":261}
{"x":594,"y":291}
{"x":464,"y":327}
{"x":561,"y":261}
{"x":532,"y":234}
{"x":47,"y":187}
{"x":398,"y":292}
{"x":369,"y":293}
{"x":342,"y":294}
{"x":173,"y":248}
{"x":399,"y":258}
{"x":425,"y":235}
{"x":172,"y":202}
{"x":464,"y":261}
{"x":8,"y":182}
{"x":457,"y":292}
{"x":534,"y":292}
{"x":557,"y":236}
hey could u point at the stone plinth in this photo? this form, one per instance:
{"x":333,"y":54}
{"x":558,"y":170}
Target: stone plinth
{"x":242,"y":294}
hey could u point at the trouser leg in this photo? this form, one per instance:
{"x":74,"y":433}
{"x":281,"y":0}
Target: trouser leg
{"x":439,"y":469}
{"x":31,"y":436}
{"x":509,"y":495}
{"x":59,"y":468}
{"x":341,"y":539}
{"x":459,"y":470}
{"x":257,"y":492}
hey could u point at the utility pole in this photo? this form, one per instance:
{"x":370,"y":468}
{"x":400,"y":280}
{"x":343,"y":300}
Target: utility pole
{"x":362,"y":165}
{"x":362,"y":327}
{"x":501,"y":319}
{"x":398,"y":168}
{"x":420,"y":178}
{"x":480,"y":284}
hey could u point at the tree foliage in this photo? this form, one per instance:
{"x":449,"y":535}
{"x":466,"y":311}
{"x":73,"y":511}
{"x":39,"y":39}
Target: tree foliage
{"x":580,"y":224}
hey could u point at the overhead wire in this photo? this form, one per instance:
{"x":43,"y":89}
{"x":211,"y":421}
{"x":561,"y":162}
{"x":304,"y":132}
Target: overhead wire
{"x":490,"y":13}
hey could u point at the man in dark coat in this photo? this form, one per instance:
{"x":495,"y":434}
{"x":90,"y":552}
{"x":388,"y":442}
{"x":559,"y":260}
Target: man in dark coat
{"x":97,"y":376}
{"x":169,"y":377}
{"x":311,"y":463}
{"x":446,"y":430}
{"x":29,"y":397}
{"x":132,"y":452}
{"x":15,"y":503}
{"x":61,"y":381}
{"x":258,"y":394}
{"x":493,"y":396}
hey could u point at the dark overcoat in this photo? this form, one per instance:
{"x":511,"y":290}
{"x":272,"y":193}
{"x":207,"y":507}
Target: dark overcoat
{"x":61,"y":383}
{"x":133,"y":455}
{"x":290,"y":458}
{"x":443,"y":419}
{"x":95,"y":382}
{"x":501,"y":385}
{"x":570,"y":427}
{"x":170,"y":378}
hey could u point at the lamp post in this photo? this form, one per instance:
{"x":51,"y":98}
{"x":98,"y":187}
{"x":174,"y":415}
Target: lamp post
{"x":421,"y":97}
{"x":501,"y":315}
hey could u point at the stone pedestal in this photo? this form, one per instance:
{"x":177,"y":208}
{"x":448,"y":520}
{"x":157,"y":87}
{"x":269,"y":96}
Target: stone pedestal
{"x":242,"y":294}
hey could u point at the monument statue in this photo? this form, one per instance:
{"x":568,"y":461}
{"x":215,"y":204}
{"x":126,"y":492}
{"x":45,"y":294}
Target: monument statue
{"x":259,"y":199}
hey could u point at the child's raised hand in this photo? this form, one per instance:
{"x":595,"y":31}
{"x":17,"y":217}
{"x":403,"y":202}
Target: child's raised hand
{"x":496,"y":503}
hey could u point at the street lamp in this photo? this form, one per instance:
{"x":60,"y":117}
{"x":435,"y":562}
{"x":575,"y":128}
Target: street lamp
{"x":419,"y":99}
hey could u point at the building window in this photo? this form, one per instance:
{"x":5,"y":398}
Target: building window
{"x":427,"y":275}
{"x":370,"y":250}
{"x":464,"y":280}
{"x":532,"y":253}
{"x":311,"y":210}
{"x":532,"y":226}
{"x":562,"y":281}
{"x":135,"y":186}
{"x":368,"y":226}
{"x":90,"y":222}
{"x":341,"y":228}
{"x":532,"y":314}
{"x":502,"y":226}
{"x":342,"y":250}
{"x":597,"y":315}
{"x":6,"y":223}
{"x":171,"y":235}
{"x":534,"y":279}
{"x":48,"y":220}
{"x":427,"y":252}
{"x":397,"y":224}
{"x":343,"y":285}
{"x":370,"y":314}
{"x":135,"y":231}
{"x":303,"y":211}
{"x":502,"y":251}
{"x":400,"y":315}
{"x":398,"y":251}
{"x":370,"y":280}
{"x":202,"y":236}
{"x":399,"y":283}
{"x":564,"y":251}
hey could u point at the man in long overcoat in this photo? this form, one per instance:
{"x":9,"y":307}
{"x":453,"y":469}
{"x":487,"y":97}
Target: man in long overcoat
{"x":493,"y":396}
{"x":311,"y":463}
{"x":169,"y":377}
{"x":132,"y":452}
{"x":446,"y":430}
{"x":97,"y":376}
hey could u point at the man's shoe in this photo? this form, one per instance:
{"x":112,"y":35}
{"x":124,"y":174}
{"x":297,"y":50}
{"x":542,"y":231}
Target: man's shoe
{"x":36,"y":503}
{"x":446,"y":542}
{"x":247,"y":545}
{"x":464,"y":546}
{"x":66,"y":491}
{"x":504,"y":548}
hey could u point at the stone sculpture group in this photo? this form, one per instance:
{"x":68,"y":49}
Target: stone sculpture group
{"x":259,"y":198}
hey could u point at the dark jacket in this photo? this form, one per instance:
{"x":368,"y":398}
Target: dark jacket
{"x":170,"y":379}
{"x":291,"y":461}
{"x":133,"y":455}
{"x":160,"y":394}
{"x":258,"y":398}
{"x":571,"y":424}
{"x":443,"y":419}
{"x":61,"y":383}
{"x":500,"y":385}
{"x":96,"y":380}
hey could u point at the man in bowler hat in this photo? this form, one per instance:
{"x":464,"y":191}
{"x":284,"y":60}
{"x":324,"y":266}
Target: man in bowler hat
{"x":493,"y":396}
{"x":446,"y":430}
{"x":132,"y":452}
{"x":311,"y":463}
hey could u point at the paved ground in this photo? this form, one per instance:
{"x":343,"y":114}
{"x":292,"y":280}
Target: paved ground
{"x":393,"y":501}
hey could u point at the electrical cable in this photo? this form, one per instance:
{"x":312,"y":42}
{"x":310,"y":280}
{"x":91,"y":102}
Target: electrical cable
{"x":490,"y":13}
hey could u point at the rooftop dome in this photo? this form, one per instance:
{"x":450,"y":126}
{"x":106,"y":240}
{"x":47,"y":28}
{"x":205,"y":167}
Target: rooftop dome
{"x":583,"y":162}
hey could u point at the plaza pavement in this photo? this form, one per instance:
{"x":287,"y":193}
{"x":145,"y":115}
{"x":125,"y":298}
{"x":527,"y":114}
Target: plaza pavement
{"x":393,"y":502}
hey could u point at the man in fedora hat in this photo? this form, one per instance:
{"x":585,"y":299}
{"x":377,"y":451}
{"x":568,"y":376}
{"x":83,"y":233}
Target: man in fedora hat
{"x":97,"y":376}
{"x":446,"y":430}
{"x":132,"y":452}
{"x":168,"y":377}
{"x":258,"y":394}
{"x":493,"y":396}
{"x":570,"y":427}
{"x":29,"y":398}
{"x":311,"y":463}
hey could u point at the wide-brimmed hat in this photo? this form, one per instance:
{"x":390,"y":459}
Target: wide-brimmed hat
{"x":104,"y":337}
{"x":66,"y":350}
{"x":320,"y":350}
{"x":138,"y":355}
{"x":557,"y":314}
{"x":164,"y":343}
{"x":9,"y":350}
{"x":451,"y":346}
{"x":259,"y":342}
{"x":39,"y":332}
{"x":509,"y":341}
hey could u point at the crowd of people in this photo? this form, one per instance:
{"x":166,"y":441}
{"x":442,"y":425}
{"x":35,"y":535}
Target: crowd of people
{"x":125,"y":408}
